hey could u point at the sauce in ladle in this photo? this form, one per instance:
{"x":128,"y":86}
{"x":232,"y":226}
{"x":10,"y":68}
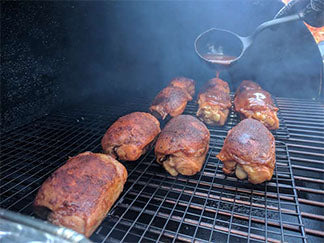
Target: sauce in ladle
{"x":219,"y":59}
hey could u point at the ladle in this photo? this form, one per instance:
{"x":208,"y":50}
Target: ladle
{"x":221,"y":48}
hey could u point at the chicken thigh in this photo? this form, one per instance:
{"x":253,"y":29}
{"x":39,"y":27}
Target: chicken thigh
{"x":170,"y":101}
{"x":182,"y":145}
{"x":249,"y":150}
{"x":251,"y":101}
{"x":130,"y":136}
{"x":79,"y":194}
{"x":214,"y":102}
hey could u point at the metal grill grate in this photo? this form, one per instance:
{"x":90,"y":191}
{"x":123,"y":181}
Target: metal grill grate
{"x":158,"y":207}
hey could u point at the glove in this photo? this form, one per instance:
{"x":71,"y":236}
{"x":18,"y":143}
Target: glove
{"x":312,"y":10}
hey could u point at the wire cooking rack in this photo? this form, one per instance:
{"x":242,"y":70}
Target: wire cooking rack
{"x":155,"y":206}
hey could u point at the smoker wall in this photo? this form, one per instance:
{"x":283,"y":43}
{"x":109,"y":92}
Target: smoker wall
{"x":59,"y":53}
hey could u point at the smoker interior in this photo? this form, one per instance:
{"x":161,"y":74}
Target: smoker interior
{"x":155,"y":206}
{"x":70,"y":69}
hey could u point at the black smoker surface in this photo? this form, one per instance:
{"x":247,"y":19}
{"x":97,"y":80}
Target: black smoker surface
{"x":158,"y":207}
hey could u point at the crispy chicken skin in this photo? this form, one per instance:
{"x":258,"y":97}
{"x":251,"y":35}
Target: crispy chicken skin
{"x":130,"y":136}
{"x":214,"y":102}
{"x":186,"y":84}
{"x":249,"y":150}
{"x":251,"y":101}
{"x":79,"y":194}
{"x":170,"y":101}
{"x":182,"y":145}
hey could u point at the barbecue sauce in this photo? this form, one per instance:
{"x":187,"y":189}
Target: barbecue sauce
{"x":219,"y":59}
{"x":217,"y":75}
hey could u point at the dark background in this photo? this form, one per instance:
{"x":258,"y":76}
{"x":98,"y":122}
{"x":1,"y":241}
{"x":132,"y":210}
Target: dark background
{"x":55,"y":54}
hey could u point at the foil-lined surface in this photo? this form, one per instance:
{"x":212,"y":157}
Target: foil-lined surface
{"x":16,"y":227}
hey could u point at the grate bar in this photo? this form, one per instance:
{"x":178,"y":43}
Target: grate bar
{"x":302,"y":178}
{"x":291,"y":116}
{"x":311,"y":202}
{"x":308,"y":168}
{"x":306,"y":153}
{"x":306,"y":147}
{"x":309,"y":190}
{"x":299,"y":125}
{"x":315,"y":138}
{"x":299,"y":159}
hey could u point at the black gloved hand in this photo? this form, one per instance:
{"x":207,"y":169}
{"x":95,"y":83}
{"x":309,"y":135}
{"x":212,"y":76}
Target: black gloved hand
{"x":313,"y":11}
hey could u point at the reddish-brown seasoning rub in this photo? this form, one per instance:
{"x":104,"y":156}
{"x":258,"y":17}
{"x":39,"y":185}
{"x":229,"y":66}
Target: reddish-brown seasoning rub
{"x":170,"y":101}
{"x":214,"y":102}
{"x":79,"y":194}
{"x":186,"y":84}
{"x":130,"y":136}
{"x":182,"y":145}
{"x":251,"y":101}
{"x":249,"y":150}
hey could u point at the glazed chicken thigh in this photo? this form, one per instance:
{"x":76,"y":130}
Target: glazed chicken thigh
{"x":182,"y":145}
{"x":249,"y":150}
{"x":251,"y":101}
{"x":130,"y":136}
{"x":170,"y":101}
{"x":214,"y":102}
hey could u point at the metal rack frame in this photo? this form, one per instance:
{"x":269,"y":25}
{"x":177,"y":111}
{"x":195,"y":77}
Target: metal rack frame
{"x":155,"y":206}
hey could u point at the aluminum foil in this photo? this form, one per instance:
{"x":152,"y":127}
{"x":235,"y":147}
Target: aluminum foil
{"x":16,"y":227}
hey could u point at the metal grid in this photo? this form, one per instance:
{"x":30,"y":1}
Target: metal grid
{"x":305,"y":122}
{"x":158,"y":207}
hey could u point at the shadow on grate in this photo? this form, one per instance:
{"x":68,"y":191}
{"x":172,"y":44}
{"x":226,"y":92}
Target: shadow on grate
{"x":154,"y":206}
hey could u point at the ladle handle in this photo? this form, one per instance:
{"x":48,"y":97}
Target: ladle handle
{"x":275,"y":22}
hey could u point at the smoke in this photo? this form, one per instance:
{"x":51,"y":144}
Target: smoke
{"x":57,"y":52}
{"x":141,"y":45}
{"x":125,"y":49}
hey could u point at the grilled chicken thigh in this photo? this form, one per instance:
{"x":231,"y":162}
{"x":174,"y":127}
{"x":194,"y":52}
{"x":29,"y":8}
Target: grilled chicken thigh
{"x":182,"y":145}
{"x":214,"y":102}
{"x":79,"y":194}
{"x":185,"y":84}
{"x":249,"y":150}
{"x":170,"y":101}
{"x":130,"y":136}
{"x":251,"y":101}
